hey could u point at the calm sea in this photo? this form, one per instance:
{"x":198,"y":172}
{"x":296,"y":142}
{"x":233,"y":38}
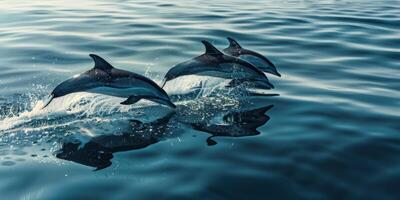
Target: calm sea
{"x":332,"y":133}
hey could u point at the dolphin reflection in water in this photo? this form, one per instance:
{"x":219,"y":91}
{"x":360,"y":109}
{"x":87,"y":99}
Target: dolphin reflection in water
{"x":99,"y":150}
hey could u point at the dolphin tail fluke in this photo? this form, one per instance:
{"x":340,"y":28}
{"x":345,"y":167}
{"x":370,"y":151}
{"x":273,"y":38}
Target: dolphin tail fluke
{"x":48,"y":101}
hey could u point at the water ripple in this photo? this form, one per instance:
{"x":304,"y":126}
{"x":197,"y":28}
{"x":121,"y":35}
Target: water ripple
{"x":332,"y":134}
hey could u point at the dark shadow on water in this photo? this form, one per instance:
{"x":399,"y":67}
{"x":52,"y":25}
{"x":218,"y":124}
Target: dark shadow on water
{"x":98,"y":151}
{"x":235,"y":124}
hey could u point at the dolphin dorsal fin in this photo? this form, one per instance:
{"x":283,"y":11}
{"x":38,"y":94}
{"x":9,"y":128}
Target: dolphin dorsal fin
{"x":100,"y":63}
{"x":210,"y":49}
{"x":233,"y":43}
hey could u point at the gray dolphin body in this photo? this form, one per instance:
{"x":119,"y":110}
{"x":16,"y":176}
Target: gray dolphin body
{"x":105,"y":79}
{"x":258,"y":60}
{"x":215,"y":63}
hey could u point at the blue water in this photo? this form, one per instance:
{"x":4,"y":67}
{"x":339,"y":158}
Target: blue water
{"x":332,"y":133}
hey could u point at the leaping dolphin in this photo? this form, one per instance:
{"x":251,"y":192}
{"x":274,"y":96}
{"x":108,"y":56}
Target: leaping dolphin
{"x":105,"y":79}
{"x":215,"y":63}
{"x":258,"y":60}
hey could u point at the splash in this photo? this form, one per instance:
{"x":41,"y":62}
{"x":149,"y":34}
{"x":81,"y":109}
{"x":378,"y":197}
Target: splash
{"x":84,"y":116}
{"x":82,"y":108}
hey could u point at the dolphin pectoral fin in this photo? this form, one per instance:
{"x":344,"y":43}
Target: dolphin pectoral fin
{"x":131,"y":100}
{"x":210,"y":141}
{"x":134,"y":99}
{"x":164,"y":81}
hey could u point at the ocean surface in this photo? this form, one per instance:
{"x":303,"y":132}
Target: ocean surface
{"x":332,"y":133}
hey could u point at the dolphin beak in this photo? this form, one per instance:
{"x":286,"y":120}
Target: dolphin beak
{"x":51,"y":97}
{"x":277,"y":73}
{"x":164,"y":81}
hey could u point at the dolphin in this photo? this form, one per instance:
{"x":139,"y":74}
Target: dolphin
{"x":214,"y":63}
{"x":105,"y":79}
{"x":258,"y":60}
